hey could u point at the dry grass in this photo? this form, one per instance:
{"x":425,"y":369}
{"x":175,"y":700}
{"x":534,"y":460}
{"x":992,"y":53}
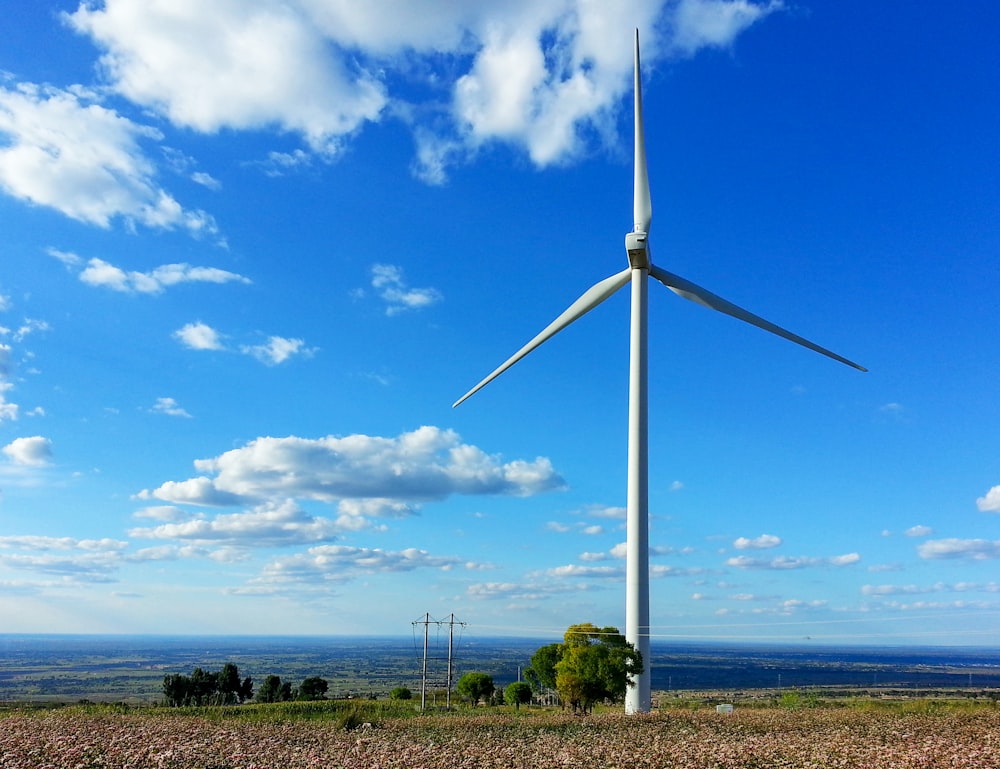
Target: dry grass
{"x":866,"y":738}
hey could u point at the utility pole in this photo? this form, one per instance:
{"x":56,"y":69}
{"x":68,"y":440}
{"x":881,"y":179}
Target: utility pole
{"x":423,"y":675}
{"x":427,"y":622}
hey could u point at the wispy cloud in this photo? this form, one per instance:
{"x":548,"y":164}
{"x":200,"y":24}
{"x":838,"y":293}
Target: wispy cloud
{"x":966,"y":549}
{"x":170,"y":407}
{"x":324,"y":564}
{"x":388,"y":282}
{"x":106,"y":275}
{"x":278,"y":349}
{"x":784,"y":563}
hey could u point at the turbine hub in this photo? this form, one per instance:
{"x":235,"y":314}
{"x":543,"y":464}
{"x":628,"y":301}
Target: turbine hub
{"x":637,"y":245}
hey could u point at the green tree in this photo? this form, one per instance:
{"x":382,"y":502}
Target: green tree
{"x":176,"y":689}
{"x":230,"y":686}
{"x":313,"y":688}
{"x":204,"y":687}
{"x":517,"y":694}
{"x":400,"y":693}
{"x":593,"y":664}
{"x":246,"y":689}
{"x":475,"y":687}
{"x":542,"y":673}
{"x":273,"y":690}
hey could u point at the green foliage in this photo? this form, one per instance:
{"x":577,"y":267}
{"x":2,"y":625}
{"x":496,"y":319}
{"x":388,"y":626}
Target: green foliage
{"x":400,"y":693}
{"x":204,"y":687}
{"x":313,"y":688}
{"x":790,"y":700}
{"x":542,"y":673}
{"x":475,"y":687}
{"x":591,"y":665}
{"x":274,"y":690}
{"x":517,"y":694}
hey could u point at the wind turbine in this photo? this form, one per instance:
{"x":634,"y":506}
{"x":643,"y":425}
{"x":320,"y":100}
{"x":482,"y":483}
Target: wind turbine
{"x":637,"y":507}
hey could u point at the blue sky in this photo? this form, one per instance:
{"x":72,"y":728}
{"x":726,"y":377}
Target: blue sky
{"x":251,"y":255}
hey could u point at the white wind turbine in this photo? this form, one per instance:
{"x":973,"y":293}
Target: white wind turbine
{"x":640,"y":266}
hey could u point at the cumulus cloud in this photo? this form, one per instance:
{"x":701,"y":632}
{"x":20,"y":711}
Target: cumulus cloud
{"x":106,"y":275}
{"x":35,"y":451}
{"x":362,"y":474}
{"x":62,"y":150}
{"x":966,"y":549}
{"x":542,"y":76}
{"x":990,"y":502}
{"x":763,"y":542}
{"x":241,"y":64}
{"x":199,"y":336}
{"x":919,"y":531}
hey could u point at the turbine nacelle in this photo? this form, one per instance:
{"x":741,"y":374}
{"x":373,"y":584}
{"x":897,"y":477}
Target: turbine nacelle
{"x":637,"y":246}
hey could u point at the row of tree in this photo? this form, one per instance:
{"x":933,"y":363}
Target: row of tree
{"x":591,"y":665}
{"x":225,"y":687}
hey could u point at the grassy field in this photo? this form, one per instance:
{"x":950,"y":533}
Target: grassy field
{"x":867,"y":734}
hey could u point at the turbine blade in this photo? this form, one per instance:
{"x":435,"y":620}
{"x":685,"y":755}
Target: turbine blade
{"x":696,"y":293}
{"x":590,"y":298}
{"x":642,"y":206}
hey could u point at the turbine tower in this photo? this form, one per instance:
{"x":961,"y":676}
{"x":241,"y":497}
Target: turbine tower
{"x":637,"y":698}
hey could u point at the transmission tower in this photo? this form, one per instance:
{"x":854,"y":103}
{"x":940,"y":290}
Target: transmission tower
{"x":427,"y":622}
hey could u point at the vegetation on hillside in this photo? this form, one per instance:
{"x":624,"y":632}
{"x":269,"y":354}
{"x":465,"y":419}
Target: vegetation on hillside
{"x":337,"y":733}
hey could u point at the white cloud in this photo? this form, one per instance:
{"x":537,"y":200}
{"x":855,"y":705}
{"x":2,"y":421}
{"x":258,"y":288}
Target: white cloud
{"x":243,"y":64}
{"x":62,"y":150}
{"x":162,"y":513}
{"x":35,"y":451}
{"x":785,"y":563}
{"x":967,"y":549}
{"x":269,"y":525}
{"x":390,"y":474}
{"x":919,"y":531}
{"x":199,"y":336}
{"x":101,"y":273}
{"x":990,"y":503}
{"x":698,"y":24}
{"x":576,"y":570}
{"x":325,"y":563}
{"x":170,"y":407}
{"x":388,"y":281}
{"x":763,"y":542}
{"x":81,"y":560}
{"x":277,"y":350}
{"x":544,"y":76}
